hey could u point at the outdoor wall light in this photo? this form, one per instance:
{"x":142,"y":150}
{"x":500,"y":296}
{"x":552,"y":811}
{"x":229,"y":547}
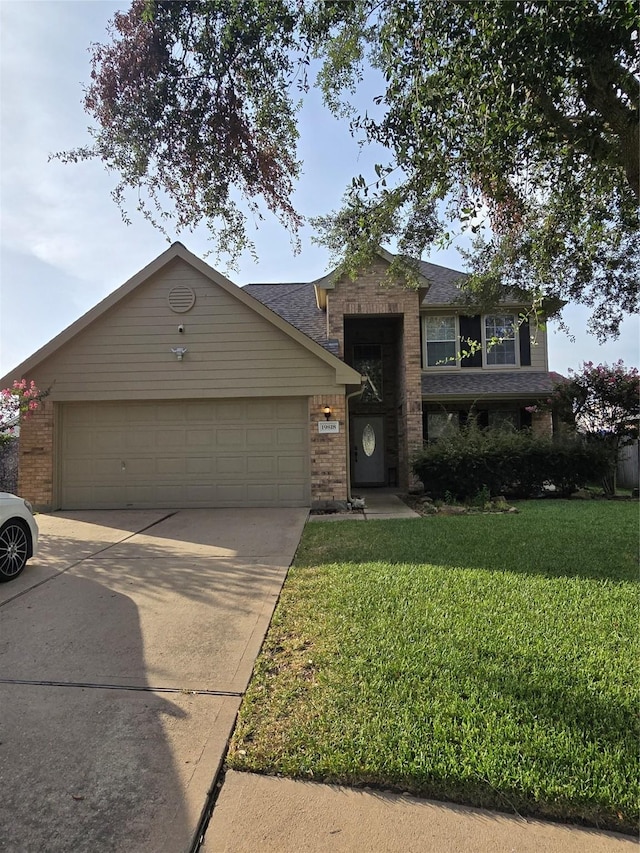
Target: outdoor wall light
{"x":327,"y":412}
{"x":179,"y":352}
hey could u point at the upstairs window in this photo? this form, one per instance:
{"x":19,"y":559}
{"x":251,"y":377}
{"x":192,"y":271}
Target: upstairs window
{"x":441,"y":341}
{"x":367,"y":360}
{"x":475,"y":341}
{"x":500,"y":339}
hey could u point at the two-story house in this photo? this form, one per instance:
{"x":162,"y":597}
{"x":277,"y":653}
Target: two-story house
{"x":181,"y":389}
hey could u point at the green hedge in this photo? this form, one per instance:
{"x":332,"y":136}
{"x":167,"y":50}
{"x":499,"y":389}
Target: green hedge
{"x":516,"y":464}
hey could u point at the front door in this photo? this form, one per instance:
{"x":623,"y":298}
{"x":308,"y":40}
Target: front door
{"x":367,"y":450}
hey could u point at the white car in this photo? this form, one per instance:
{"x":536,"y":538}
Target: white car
{"x":18,"y":535}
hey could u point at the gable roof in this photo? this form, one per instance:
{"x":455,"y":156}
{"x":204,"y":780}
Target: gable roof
{"x":344,"y":374}
{"x":299,"y":302}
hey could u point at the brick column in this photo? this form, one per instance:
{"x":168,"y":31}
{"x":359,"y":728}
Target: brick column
{"x":542,"y":424}
{"x":35,"y":466}
{"x":411,"y":416}
{"x":328,"y":452}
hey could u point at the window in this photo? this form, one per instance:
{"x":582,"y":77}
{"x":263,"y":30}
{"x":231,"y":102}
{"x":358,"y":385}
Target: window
{"x":367,"y":360}
{"x":441,"y":339}
{"x":500,"y":339}
{"x":459,"y":341}
{"x":506,"y":419}
{"x":439,"y":423}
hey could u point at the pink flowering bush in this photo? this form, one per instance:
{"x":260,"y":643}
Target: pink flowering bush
{"x":18,"y":401}
{"x":602,"y":402}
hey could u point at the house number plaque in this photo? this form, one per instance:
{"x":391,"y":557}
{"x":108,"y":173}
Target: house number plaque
{"x":329,"y":426}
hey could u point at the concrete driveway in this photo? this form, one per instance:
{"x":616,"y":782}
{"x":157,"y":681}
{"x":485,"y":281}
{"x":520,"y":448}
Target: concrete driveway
{"x":125,"y":648}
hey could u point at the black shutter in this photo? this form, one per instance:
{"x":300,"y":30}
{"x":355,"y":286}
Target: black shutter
{"x":470,"y":329}
{"x":525,"y":344}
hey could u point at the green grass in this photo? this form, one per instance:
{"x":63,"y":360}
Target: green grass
{"x":488,"y":660}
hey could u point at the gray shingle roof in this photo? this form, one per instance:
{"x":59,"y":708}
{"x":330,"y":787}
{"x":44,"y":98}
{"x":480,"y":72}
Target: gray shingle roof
{"x":478,"y":383}
{"x":296,"y":303}
{"x":444,"y":282}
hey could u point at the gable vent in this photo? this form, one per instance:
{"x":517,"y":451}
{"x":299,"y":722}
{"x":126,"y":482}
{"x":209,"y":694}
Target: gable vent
{"x":181,"y":299}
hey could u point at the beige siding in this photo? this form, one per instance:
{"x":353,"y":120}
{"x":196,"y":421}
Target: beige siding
{"x":539,"y":355}
{"x":232,"y":351}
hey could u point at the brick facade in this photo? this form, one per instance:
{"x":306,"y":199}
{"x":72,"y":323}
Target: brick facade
{"x":371,"y":294}
{"x":328,"y":451}
{"x":35,"y":472}
{"x":542,"y":424}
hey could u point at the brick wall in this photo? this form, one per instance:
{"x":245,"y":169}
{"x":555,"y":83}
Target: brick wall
{"x":542,"y":424}
{"x":371,"y":294}
{"x":35,"y":473}
{"x":328,"y":452}
{"x":411,"y":416}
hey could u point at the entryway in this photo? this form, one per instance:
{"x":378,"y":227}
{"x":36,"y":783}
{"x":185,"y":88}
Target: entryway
{"x":367,"y":439}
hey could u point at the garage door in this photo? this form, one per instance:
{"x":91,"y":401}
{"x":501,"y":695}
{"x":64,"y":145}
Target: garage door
{"x":247,"y":452}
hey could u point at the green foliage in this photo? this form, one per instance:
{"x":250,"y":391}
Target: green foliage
{"x":482,"y":498}
{"x":486,"y":659}
{"x":518,"y":116}
{"x":475,"y":462}
{"x":193,"y":103}
{"x":601,"y":402}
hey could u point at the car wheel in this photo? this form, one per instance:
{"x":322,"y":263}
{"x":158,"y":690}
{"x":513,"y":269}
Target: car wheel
{"x":14,"y":550}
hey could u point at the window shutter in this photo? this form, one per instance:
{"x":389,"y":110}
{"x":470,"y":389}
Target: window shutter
{"x":525,"y":344}
{"x":470,"y":329}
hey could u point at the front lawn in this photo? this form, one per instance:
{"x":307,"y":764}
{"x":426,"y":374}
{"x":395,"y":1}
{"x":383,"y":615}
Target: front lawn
{"x":489,"y":660}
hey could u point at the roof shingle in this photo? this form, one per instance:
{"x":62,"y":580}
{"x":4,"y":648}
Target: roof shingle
{"x":473,"y":384}
{"x":296,"y":303}
{"x":444,"y":284}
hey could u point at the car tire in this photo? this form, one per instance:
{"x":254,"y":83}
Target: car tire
{"x":15,"y":547}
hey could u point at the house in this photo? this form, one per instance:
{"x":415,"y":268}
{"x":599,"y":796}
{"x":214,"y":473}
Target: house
{"x":181,"y":389}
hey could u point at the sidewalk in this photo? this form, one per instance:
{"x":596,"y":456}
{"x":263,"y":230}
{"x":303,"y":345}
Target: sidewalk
{"x":272,"y":815}
{"x":379,"y":504}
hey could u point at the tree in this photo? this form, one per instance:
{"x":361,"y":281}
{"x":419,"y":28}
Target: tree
{"x":517,"y":119}
{"x":603,"y":403}
{"x":20,"y":400}
{"x":192,"y":103}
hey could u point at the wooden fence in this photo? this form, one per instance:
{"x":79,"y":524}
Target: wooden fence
{"x":627,"y":475}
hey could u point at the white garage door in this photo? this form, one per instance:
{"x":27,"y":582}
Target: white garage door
{"x":247,"y":452}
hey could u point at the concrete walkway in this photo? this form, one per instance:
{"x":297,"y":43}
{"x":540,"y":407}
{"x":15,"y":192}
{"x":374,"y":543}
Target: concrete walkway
{"x":271,"y":815}
{"x":379,"y":504}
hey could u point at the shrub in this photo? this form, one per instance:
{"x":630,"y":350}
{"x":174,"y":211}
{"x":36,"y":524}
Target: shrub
{"x":518,"y":464}
{"x":603,"y":404}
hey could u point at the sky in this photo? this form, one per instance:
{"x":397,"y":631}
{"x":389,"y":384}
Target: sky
{"x":63,"y":243}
